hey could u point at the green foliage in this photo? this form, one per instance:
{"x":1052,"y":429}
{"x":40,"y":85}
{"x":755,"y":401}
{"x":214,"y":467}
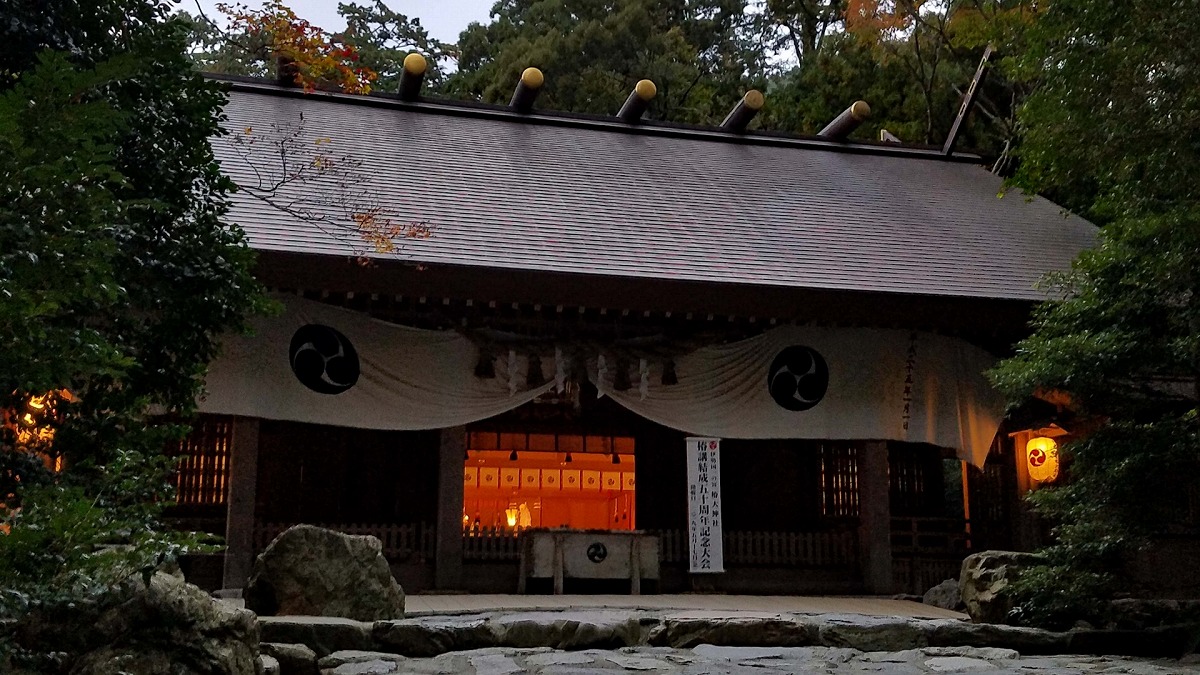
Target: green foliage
{"x":1112,"y":130}
{"x":116,"y":268}
{"x":383,"y":38}
{"x":70,"y":542}
{"x":593,"y":53}
{"x":380,"y":36}
{"x":116,"y":276}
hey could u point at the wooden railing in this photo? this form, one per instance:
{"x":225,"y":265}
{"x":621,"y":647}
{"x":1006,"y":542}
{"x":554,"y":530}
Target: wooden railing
{"x":927,"y":551}
{"x":491,"y":544}
{"x":672,"y":546}
{"x":823,"y":548}
{"x":400,"y":541}
{"x":806,"y":549}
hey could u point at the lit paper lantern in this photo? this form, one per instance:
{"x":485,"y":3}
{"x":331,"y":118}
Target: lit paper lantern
{"x":1042,"y":457}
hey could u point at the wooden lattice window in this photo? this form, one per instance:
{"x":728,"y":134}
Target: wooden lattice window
{"x":915,"y":480}
{"x":839,"y":481}
{"x":202,"y":475}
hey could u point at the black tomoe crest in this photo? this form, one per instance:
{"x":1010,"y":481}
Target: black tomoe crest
{"x":323,"y":359}
{"x":798,"y":378}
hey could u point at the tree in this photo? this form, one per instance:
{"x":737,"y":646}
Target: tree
{"x":285,"y":156}
{"x":117,"y":275}
{"x":384,"y":37}
{"x":800,"y":26}
{"x":272,"y":41}
{"x":368,"y":54}
{"x":1113,"y":130}
{"x":593,"y":53}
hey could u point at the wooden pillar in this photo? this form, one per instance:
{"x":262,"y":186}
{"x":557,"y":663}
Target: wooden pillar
{"x":239,"y":520}
{"x":875,"y":518}
{"x":448,"y":547}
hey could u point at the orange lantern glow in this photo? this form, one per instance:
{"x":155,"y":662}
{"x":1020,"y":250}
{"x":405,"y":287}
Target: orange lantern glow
{"x":1042,"y":458}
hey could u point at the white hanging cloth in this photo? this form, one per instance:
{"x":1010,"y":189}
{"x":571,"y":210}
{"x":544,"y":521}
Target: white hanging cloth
{"x":869,"y":384}
{"x":407,"y":378}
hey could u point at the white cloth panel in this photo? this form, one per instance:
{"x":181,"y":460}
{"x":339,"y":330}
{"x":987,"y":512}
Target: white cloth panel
{"x":723,"y":391}
{"x":414,"y":379}
{"x":410,"y":378}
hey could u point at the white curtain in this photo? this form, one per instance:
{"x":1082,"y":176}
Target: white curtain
{"x":874,"y":384}
{"x":409,"y":378}
{"x":882,"y":385}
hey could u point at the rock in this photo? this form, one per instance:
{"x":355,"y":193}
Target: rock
{"x":323,"y":634}
{"x":871,"y":633}
{"x":956,"y":664}
{"x":635,"y":663}
{"x":985,"y":653}
{"x":430,"y":636}
{"x":945,"y":595}
{"x":560,"y":659}
{"x":686,"y":632}
{"x":375,"y":667}
{"x":294,"y":659}
{"x":1137,"y":614}
{"x":313,"y":571}
{"x":267,"y":665}
{"x":948,"y":633}
{"x":168,"y":626}
{"x":494,"y":664}
{"x":567,"y":630}
{"x":984,"y":578}
{"x":345,"y":656}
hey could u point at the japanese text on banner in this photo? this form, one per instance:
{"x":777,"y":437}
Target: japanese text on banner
{"x":705,"y":538}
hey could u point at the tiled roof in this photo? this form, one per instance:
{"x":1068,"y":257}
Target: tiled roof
{"x":605,"y":199}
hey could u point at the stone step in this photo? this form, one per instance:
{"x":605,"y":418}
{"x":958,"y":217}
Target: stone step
{"x":426,"y":637}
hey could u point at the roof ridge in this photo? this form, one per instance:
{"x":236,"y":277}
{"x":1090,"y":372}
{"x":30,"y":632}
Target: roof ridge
{"x":612,"y":124}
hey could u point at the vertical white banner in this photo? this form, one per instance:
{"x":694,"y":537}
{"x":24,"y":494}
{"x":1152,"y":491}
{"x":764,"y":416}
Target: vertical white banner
{"x":705,"y":539}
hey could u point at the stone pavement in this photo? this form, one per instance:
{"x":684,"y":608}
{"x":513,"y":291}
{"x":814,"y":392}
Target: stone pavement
{"x":596,"y":641}
{"x":705,"y":659}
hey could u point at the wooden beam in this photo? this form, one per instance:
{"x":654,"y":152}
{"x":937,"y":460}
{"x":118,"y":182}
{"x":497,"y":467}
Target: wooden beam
{"x":239,"y":521}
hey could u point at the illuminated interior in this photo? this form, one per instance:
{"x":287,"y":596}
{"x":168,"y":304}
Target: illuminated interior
{"x":514,"y":481}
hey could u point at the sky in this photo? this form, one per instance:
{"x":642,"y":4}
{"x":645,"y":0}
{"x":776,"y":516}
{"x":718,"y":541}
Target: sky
{"x":444,"y":19}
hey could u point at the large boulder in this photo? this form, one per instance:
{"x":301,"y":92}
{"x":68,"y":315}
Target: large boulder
{"x":985,"y":577}
{"x":314,"y":571}
{"x":945,"y":595}
{"x":165,"y":627}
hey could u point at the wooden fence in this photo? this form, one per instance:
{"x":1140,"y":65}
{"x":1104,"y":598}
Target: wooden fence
{"x":831,"y":548}
{"x":491,"y":544}
{"x":400,"y":541}
{"x":927,"y":551}
{"x":827,"y":548}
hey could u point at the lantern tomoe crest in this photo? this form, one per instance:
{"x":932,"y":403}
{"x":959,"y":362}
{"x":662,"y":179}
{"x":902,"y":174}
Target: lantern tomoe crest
{"x":323,"y":359}
{"x":798,"y":378}
{"x":1042,"y":455}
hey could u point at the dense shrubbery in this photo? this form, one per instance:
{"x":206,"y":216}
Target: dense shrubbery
{"x":116,"y":275}
{"x":1114,"y":132}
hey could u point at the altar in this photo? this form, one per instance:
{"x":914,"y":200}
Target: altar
{"x":559,"y":554}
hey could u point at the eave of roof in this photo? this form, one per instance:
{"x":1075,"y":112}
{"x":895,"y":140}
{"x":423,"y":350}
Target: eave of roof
{"x":597,"y":197}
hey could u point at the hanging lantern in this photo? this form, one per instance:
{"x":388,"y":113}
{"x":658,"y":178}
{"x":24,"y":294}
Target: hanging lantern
{"x":510,"y":516}
{"x":1041,"y":455}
